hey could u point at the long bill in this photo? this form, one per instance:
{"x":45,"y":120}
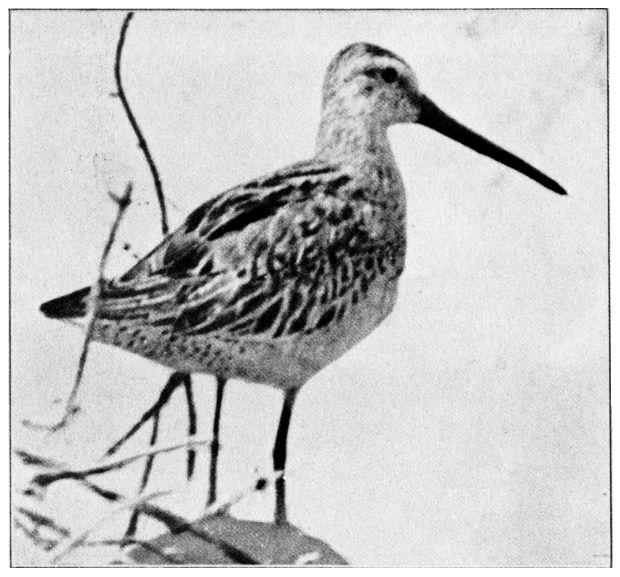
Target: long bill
{"x":433,"y":117}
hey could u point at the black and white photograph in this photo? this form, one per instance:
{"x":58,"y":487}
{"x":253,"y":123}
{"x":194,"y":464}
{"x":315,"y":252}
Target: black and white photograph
{"x":309,"y":287}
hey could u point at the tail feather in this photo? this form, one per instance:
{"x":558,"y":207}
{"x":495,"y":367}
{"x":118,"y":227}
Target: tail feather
{"x":73,"y":305}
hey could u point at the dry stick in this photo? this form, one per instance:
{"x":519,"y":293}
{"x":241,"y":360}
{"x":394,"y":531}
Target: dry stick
{"x":71,"y":408}
{"x":175,"y":380}
{"x":33,"y":535}
{"x":146,"y":475}
{"x":136,"y":128}
{"x":164,"y":228}
{"x":46,"y":479}
{"x":173,"y":383}
{"x":128,"y":503}
{"x":43,"y":521}
{"x":177,"y":524}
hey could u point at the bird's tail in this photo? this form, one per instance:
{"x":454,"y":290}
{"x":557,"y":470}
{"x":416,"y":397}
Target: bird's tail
{"x":70,"y":306}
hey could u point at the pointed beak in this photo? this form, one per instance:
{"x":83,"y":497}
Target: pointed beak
{"x":433,"y":117}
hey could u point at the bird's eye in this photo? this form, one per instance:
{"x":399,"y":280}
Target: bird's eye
{"x":389,"y":74}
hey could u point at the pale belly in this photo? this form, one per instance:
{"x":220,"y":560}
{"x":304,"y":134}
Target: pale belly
{"x":284,"y":362}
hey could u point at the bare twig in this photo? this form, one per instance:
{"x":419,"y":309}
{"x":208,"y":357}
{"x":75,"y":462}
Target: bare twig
{"x":136,"y":128}
{"x":175,"y":380}
{"x":62,"y":472}
{"x":139,"y":504}
{"x":71,"y":408}
{"x":44,"y":521}
{"x":132,"y":527}
{"x":33,"y":534}
{"x":130,"y":503}
{"x":177,"y":524}
{"x":176,"y":377}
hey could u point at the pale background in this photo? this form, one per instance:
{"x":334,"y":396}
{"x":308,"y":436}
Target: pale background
{"x":472,"y":427}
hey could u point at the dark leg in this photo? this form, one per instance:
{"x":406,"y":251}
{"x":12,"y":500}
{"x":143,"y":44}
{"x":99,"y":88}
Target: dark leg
{"x":279,"y":454}
{"x":215,"y":442}
{"x":192,"y":424}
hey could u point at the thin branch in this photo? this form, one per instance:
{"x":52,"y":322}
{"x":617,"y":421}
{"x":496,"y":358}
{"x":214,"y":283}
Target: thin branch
{"x":136,"y":128}
{"x":177,"y":524}
{"x":215,"y":509}
{"x":33,"y":534}
{"x":130,"y":503}
{"x":46,"y":479}
{"x":154,"y":413}
{"x":71,"y":408}
{"x":132,"y":527}
{"x":44,"y":521}
{"x":191,"y":454}
{"x":174,"y":381}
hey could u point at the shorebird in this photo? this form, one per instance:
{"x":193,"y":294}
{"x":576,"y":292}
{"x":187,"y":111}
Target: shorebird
{"x":271,"y":281}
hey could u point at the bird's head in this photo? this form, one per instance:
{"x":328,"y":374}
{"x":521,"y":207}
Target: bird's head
{"x":369,"y":85}
{"x":369,"y":81}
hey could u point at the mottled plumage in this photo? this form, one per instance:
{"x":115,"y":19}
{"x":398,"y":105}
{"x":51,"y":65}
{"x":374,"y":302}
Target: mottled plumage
{"x":273,"y":280}
{"x":264,"y":274}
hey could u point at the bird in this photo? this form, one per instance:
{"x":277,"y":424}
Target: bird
{"x":271,"y":281}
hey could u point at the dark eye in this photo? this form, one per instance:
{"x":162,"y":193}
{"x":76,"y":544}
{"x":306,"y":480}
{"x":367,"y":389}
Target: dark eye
{"x":389,"y":74}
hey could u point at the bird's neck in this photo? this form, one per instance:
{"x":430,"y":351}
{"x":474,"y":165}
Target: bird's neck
{"x":362,"y":144}
{"x":351,"y":137}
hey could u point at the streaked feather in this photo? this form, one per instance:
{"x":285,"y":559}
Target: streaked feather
{"x":276,"y":257}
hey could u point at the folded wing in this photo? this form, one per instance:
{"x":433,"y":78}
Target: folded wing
{"x":281,"y":255}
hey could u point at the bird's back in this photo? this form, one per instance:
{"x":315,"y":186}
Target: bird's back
{"x":269,"y":281}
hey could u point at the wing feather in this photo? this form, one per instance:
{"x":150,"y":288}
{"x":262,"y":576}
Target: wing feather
{"x":277,"y":256}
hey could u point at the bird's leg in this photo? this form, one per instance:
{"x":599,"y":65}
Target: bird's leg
{"x":192,"y":423}
{"x":215,"y":442}
{"x":279,"y":455}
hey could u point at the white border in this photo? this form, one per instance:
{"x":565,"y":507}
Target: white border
{"x":248,"y":4}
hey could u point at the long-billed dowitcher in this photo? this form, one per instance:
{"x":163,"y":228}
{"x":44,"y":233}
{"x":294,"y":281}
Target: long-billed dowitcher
{"x":271,"y":281}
